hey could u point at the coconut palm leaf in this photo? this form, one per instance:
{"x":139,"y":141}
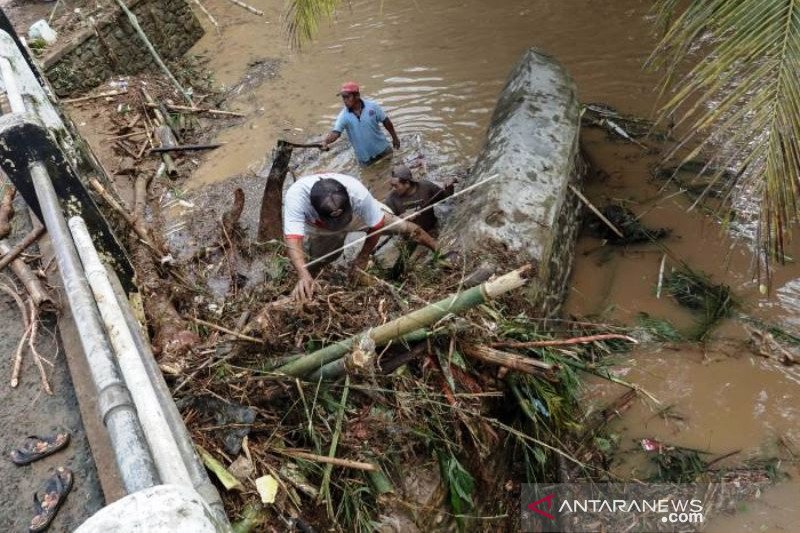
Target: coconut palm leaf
{"x":738,"y":98}
{"x":303,"y":18}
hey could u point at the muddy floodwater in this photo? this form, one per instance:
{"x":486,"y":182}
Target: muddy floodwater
{"x":437,"y":67}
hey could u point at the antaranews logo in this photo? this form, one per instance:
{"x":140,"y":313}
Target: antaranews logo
{"x":612,"y":507}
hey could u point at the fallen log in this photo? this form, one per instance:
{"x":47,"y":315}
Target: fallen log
{"x":270,"y":225}
{"x":184,"y":147}
{"x":415,"y":320}
{"x":93,"y":97}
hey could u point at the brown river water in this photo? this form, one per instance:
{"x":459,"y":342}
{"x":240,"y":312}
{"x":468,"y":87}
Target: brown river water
{"x":437,"y":68}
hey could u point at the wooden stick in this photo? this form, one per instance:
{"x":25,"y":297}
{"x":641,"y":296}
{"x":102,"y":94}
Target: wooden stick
{"x":230,"y":332}
{"x":335,"y":461}
{"x":251,"y":9}
{"x":209,"y":15}
{"x":513,"y":361}
{"x":661,"y":276}
{"x":564,"y":342}
{"x":127,"y":135}
{"x":185,"y":147}
{"x":137,"y":228}
{"x":18,"y":358}
{"x":20,"y":247}
{"x":187,"y":109}
{"x":37,"y":359}
{"x":596,"y":211}
{"x":94,"y":96}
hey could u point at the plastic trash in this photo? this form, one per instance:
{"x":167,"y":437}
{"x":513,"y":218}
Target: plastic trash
{"x":42,"y":30}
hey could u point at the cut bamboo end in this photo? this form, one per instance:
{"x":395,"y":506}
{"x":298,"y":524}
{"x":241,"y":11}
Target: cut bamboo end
{"x":507,"y":282}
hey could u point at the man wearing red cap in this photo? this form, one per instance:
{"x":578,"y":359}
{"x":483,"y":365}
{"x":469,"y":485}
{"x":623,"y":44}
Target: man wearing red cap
{"x":362,"y":119}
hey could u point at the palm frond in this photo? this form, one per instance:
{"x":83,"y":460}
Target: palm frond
{"x":303,"y":18}
{"x":732,"y":68}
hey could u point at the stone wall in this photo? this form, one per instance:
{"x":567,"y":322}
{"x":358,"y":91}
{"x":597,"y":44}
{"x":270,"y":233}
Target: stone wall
{"x":528,"y":210}
{"x":112,"y":46}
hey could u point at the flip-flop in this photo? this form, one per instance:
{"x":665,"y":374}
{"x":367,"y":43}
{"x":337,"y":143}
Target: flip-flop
{"x":53,"y":493}
{"x":36,"y":447}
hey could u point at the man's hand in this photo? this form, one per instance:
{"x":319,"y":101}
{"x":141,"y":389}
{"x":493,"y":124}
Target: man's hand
{"x":304,"y":289}
{"x":324,"y":146}
{"x":396,"y":143}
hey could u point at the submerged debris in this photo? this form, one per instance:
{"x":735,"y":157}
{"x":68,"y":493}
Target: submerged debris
{"x":623,"y":219}
{"x":695,"y":291}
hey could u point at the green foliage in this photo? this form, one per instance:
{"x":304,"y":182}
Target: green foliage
{"x":304,"y":16}
{"x":658,"y":328}
{"x":695,"y":291}
{"x":740,"y":96}
{"x":678,"y":465}
{"x":459,"y":482}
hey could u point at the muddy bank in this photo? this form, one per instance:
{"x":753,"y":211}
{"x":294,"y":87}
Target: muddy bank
{"x":28,"y":410}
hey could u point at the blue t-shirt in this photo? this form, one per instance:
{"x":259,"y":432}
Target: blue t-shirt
{"x":365,"y":133}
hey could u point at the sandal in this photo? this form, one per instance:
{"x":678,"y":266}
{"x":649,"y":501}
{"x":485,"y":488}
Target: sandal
{"x":36,"y":447}
{"x":53,"y":493}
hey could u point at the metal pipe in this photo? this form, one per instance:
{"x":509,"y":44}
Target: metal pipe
{"x":117,"y":411}
{"x":168,"y":459}
{"x":202,"y":484}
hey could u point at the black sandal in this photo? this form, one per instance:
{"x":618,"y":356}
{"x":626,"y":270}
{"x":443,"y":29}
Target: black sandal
{"x":36,"y":447}
{"x":53,"y":493}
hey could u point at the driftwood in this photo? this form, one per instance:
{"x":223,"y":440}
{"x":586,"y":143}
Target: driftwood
{"x":32,"y":236}
{"x":166,"y":137}
{"x":29,"y":280}
{"x":511,"y":361}
{"x":335,"y":461}
{"x":209,"y":15}
{"x":7,"y":210}
{"x":184,"y":147}
{"x":565,"y":342}
{"x":270,"y":225}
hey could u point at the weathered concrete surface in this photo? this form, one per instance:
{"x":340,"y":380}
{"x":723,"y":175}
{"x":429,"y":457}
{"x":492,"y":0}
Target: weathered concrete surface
{"x":159,"y":509}
{"x":533,"y":146}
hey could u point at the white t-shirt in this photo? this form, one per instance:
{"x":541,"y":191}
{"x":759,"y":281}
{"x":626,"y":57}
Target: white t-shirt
{"x":298,"y":211}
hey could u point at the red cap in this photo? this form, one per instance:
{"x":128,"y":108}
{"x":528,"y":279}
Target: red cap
{"x":350,"y":87}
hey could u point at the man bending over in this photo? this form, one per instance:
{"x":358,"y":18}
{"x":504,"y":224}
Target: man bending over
{"x":319,"y":211}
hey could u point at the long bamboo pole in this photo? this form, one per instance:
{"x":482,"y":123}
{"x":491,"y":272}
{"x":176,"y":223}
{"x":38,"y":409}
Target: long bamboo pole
{"x":420,"y":318}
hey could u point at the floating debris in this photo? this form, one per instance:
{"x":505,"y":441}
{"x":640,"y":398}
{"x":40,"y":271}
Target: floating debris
{"x":623,"y":219}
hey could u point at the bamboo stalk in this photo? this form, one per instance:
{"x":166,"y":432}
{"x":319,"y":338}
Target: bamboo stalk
{"x":413,"y":321}
{"x":324,"y":489}
{"x":210,"y":111}
{"x":509,"y":360}
{"x":250,"y":8}
{"x":157,"y":58}
{"x":335,"y":461}
{"x":230,"y":332}
{"x":22,"y":245}
{"x":596,"y":211}
{"x":565,"y":342}
{"x":93,"y":97}
{"x":227,"y":479}
{"x":209,"y":15}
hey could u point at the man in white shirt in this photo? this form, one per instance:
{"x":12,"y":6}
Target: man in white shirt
{"x":321,"y":209}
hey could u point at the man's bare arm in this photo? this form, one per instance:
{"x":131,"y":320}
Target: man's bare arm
{"x":329,"y":139}
{"x":390,"y":128}
{"x":304,"y":289}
